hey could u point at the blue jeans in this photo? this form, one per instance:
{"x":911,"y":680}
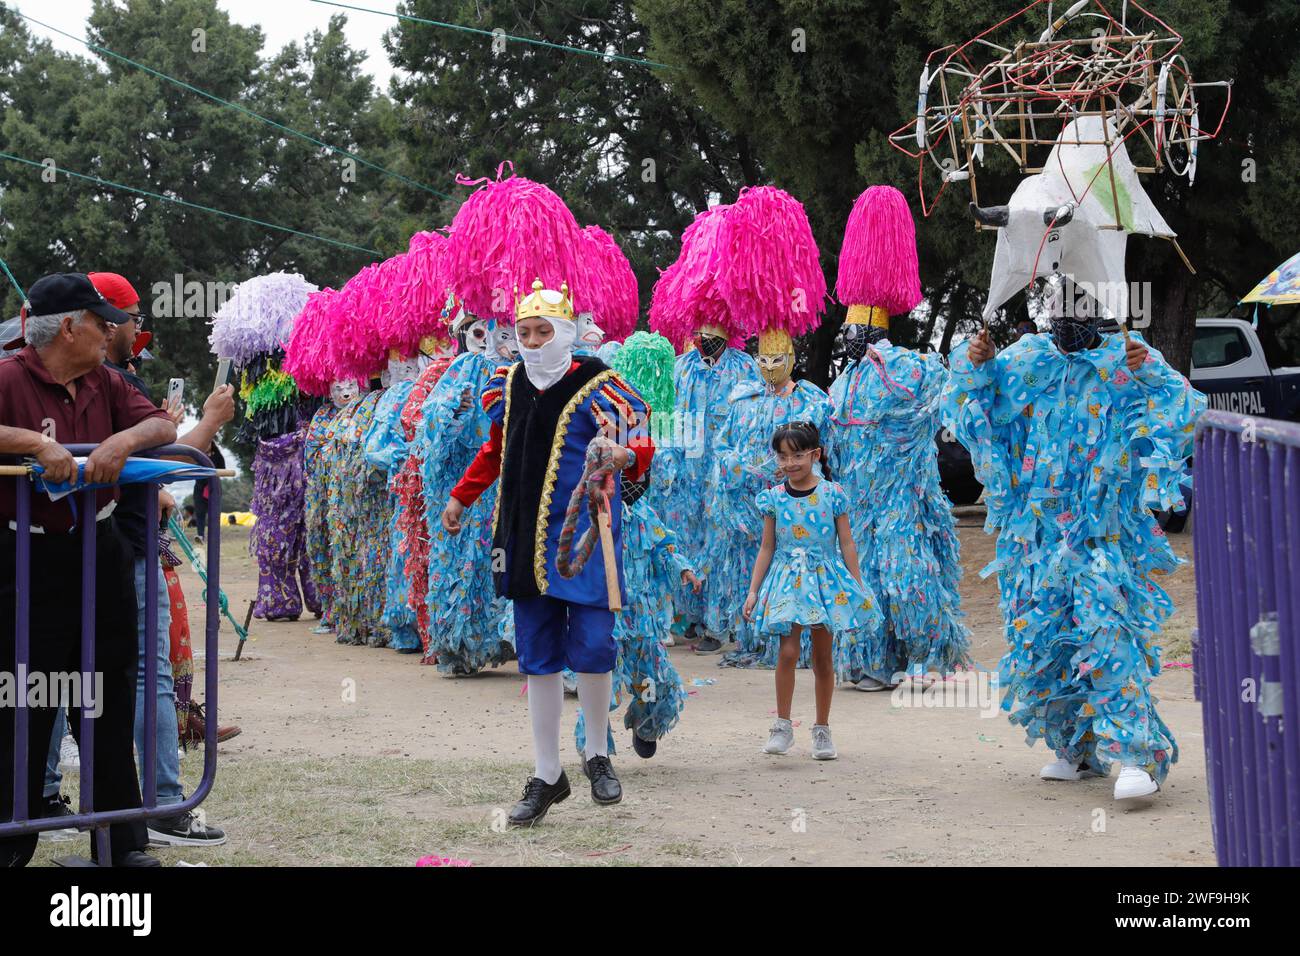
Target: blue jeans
{"x":53,"y":776}
{"x":169,"y":763}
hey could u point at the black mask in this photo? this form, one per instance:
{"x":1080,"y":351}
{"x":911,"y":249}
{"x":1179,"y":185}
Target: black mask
{"x":855,"y":339}
{"x":1072,"y":335}
{"x":711,"y":346}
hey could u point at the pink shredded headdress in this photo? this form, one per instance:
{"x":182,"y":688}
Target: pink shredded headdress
{"x":685,"y":296}
{"x":509,"y":232}
{"x":258,"y":316}
{"x":357,"y":348}
{"x":307,"y":354}
{"x":878,"y":264}
{"x":424,"y":292}
{"x":615,"y":296}
{"x":770,"y":272}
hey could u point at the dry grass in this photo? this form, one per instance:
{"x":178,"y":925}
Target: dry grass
{"x":390,"y":811}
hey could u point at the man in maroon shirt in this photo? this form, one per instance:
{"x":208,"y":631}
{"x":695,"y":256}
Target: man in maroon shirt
{"x":56,"y":391}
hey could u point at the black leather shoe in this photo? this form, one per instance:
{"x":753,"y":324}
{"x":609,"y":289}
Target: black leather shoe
{"x":644,"y":748}
{"x":537,"y":799}
{"x":605,"y":788}
{"x":136,"y":858}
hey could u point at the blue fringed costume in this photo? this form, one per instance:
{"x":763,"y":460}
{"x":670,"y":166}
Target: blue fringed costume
{"x":464,"y":609}
{"x":1073,"y":451}
{"x":744,"y":465}
{"x":881,"y":442}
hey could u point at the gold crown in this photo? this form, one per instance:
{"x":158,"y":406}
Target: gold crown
{"x":868,"y":315}
{"x":539,"y":306}
{"x":431,"y":343}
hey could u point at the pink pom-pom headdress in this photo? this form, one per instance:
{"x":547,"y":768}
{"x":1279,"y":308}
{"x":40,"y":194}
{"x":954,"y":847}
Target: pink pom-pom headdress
{"x":769,"y":272}
{"x":686,"y":297}
{"x":614,"y":297}
{"x":506,"y":234}
{"x":258,"y":316}
{"x":878,"y":264}
{"x":307,"y":354}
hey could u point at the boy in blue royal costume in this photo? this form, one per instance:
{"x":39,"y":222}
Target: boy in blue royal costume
{"x":551,"y":415}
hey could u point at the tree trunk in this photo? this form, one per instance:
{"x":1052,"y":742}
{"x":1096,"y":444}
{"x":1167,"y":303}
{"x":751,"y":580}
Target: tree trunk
{"x":1173,"y":325}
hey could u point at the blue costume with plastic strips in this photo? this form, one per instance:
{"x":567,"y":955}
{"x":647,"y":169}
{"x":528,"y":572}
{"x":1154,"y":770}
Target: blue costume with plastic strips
{"x":464,"y":611}
{"x":559,"y":621}
{"x":882,"y":452}
{"x":1074,"y":450}
{"x":653,"y":564}
{"x":744,"y":464}
{"x":700,"y":409}
{"x":386,"y":450}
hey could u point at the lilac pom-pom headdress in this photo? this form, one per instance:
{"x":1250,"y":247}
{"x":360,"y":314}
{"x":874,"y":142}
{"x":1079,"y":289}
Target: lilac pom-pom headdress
{"x":258,"y":316}
{"x":878,"y":275}
{"x":686,"y":295}
{"x":769,"y":271}
{"x":613,"y":300}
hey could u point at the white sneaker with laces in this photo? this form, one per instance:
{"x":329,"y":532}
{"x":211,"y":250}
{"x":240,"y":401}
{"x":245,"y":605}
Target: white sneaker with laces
{"x":69,"y":755}
{"x":823,"y":747}
{"x":782,"y":738}
{"x":1062,"y":769}
{"x":1134,"y":782}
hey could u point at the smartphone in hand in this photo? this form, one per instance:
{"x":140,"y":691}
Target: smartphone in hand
{"x":223,"y":373}
{"x":175,"y":391}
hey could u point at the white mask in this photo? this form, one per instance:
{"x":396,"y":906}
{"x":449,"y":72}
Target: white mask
{"x":590,"y":335}
{"x":476,"y":337}
{"x":403,"y":370}
{"x":550,"y":362}
{"x":342,"y":392}
{"x":505,"y":343}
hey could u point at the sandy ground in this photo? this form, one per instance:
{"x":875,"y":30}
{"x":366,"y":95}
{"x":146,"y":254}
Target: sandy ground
{"x":355,"y":755}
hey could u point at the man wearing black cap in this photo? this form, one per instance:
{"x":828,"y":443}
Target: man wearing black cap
{"x":57,"y":391}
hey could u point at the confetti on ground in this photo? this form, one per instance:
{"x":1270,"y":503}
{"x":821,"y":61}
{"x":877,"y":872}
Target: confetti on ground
{"x":1184,"y":664}
{"x":703,"y":681}
{"x":441,"y":861}
{"x":988,"y":740}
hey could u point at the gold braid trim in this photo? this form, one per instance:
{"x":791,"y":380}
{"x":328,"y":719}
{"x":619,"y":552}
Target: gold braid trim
{"x":552,"y":472}
{"x":496,"y":505}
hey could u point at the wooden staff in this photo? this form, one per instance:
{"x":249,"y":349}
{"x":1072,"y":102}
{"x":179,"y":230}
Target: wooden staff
{"x":607,"y":548}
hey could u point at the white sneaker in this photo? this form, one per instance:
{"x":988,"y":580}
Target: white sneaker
{"x":823,"y":748}
{"x":1062,"y":769}
{"x":69,"y":755}
{"x":1134,"y":782}
{"x":782,"y":738}
{"x":871,"y":685}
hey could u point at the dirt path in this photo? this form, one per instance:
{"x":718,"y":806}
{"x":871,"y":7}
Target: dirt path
{"x":419,"y":763}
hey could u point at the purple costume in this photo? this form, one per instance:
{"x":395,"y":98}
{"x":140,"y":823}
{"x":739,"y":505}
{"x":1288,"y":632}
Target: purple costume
{"x":279,"y":539}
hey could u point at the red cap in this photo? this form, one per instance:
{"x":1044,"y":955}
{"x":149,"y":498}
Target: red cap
{"x":115,"y":289}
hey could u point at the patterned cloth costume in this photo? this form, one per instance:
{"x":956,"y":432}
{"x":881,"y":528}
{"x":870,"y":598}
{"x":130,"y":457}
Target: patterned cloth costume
{"x":279,"y":539}
{"x":886,"y":414}
{"x":386,"y":451}
{"x":1073,"y":451}
{"x":317,"y":453}
{"x":360,"y":514}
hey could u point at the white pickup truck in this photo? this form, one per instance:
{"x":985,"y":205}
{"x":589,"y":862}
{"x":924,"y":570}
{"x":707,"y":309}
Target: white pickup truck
{"x":1231,"y":365}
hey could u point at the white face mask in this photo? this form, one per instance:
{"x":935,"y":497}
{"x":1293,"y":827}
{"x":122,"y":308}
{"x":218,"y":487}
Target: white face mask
{"x":590,"y":335}
{"x":549,"y":363}
{"x":403,"y":370}
{"x":343,"y":392}
{"x":476,"y":337}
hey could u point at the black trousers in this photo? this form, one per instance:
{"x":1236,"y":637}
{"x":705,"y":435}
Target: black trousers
{"x":55,"y":630}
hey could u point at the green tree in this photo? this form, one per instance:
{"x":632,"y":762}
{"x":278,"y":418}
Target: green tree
{"x":621,"y":147}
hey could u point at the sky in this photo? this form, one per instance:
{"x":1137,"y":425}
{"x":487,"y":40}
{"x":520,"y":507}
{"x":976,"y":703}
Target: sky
{"x":282,"y":21}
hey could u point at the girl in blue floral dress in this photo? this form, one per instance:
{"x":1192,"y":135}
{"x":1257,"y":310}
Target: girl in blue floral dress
{"x":802,"y":581}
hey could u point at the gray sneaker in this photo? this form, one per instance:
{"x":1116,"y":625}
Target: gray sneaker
{"x":823,"y":748}
{"x":782,"y":738}
{"x":709,"y":645}
{"x":871,"y":685}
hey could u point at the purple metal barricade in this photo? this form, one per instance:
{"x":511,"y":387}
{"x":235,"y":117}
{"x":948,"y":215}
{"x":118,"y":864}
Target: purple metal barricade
{"x":87,"y":816}
{"x":1246,"y":526}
